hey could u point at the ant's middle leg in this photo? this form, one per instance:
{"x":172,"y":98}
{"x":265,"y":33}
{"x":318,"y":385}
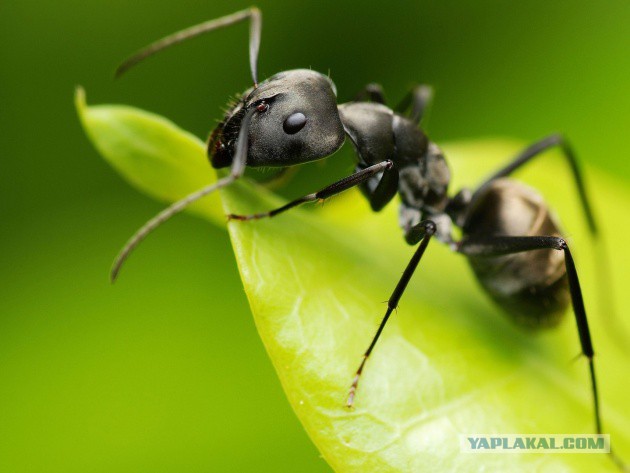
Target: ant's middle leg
{"x":333,"y":189}
{"x":372,"y":92}
{"x":422,"y":232}
{"x":418,"y":99}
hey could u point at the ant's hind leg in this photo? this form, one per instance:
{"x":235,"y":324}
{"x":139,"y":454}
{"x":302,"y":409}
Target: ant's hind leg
{"x":537,"y":149}
{"x":504,"y":245}
{"x":333,"y":189}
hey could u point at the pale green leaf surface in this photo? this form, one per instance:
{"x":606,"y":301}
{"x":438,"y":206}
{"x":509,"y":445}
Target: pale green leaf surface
{"x":151,"y":153}
{"x":449,"y":362}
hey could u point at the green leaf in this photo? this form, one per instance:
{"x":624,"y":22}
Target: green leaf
{"x":151,"y":153}
{"x":449,"y":362}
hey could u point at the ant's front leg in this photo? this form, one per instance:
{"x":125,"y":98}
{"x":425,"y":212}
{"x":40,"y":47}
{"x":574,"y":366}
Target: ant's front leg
{"x":333,"y":189}
{"x":379,"y":190}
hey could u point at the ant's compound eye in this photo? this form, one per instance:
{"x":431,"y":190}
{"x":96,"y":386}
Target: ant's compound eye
{"x":262,"y":107}
{"x":294,"y":123}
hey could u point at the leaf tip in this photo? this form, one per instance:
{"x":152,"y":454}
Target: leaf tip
{"x":80,"y":101}
{"x":79,"y":96}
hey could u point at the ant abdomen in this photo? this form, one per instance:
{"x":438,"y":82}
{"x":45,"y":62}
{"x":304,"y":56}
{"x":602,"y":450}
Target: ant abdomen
{"x":530,"y":286}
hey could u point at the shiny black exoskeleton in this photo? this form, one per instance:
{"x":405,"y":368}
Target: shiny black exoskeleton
{"x":531,"y":286}
{"x":508,"y":234}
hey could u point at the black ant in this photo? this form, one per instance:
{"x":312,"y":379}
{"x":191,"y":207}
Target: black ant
{"x":508,"y":233}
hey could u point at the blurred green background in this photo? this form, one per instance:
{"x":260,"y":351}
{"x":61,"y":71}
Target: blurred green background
{"x":164,"y":371}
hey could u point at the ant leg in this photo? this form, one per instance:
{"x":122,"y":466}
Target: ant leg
{"x":253,"y":14}
{"x":418,"y":98}
{"x":605,"y":283}
{"x":535,"y":150}
{"x":236,"y":171}
{"x":381,"y":189}
{"x":422,"y":232}
{"x":373,"y":93}
{"x":504,"y":245}
{"x":333,"y":189}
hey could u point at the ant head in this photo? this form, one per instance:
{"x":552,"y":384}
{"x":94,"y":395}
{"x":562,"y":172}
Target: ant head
{"x":291,"y":118}
{"x":294,"y":120}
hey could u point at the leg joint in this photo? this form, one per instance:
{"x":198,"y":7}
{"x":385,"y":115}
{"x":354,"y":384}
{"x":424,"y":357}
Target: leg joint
{"x":420,"y":230}
{"x":430,"y":227}
{"x":562,"y":244}
{"x":555,"y":139}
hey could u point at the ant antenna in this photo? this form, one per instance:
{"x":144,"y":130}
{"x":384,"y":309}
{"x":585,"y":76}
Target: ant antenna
{"x":255,"y":28}
{"x":237,"y":169}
